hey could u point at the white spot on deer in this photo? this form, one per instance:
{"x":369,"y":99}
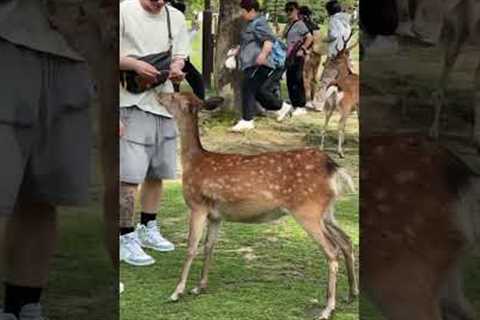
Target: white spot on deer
{"x":380,"y":194}
{"x":299,"y":174}
{"x":382,"y":208}
{"x":380,"y":150}
{"x":405,"y":176}
{"x":309,"y":167}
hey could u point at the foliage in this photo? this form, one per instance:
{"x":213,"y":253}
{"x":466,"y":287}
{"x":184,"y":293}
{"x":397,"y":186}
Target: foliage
{"x":275,"y":8}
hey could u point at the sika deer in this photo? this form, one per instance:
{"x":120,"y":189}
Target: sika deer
{"x":334,"y":68}
{"x":461,"y":24}
{"x":311,"y":67}
{"x":255,"y":189}
{"x":341,"y":95}
{"x":420,"y":215}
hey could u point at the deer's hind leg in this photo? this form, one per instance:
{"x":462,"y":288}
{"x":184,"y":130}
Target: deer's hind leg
{"x":345,"y":244}
{"x":310,"y":217}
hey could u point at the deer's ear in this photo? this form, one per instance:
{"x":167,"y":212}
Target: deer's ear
{"x":213,"y":103}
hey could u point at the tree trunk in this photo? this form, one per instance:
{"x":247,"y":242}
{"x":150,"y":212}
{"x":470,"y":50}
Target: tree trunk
{"x":229,"y":26}
{"x":91,"y":28}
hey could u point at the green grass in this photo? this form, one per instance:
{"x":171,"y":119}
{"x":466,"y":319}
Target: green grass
{"x":267,"y":271}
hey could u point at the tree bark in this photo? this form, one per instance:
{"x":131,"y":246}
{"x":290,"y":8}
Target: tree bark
{"x":91,"y":28}
{"x":229,"y":26}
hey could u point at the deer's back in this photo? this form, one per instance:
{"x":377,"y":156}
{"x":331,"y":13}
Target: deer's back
{"x":278,"y":179}
{"x":410,"y":187}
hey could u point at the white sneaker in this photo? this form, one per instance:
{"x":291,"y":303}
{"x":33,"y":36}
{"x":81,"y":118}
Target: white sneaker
{"x":31,"y":311}
{"x":243,"y":125}
{"x":132,"y":253}
{"x":284,"y":111}
{"x":150,"y":237}
{"x":121,"y":288}
{"x":299,"y":112}
{"x":7,"y":316}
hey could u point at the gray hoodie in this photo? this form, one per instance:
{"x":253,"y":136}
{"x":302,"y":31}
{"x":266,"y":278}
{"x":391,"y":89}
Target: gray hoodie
{"x":339,"y":30}
{"x":252,"y":38}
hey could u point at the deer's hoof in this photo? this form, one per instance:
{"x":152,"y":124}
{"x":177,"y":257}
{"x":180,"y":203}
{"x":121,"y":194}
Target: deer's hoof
{"x":325,"y":314}
{"x":197,"y":290}
{"x":174,"y":297}
{"x":341,"y":155}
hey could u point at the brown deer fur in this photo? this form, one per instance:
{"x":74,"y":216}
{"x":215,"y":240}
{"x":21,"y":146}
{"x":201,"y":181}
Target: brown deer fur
{"x":419,"y":216}
{"x":343,"y":96}
{"x":254,"y":189}
{"x":461,"y":24}
{"x":311,"y":67}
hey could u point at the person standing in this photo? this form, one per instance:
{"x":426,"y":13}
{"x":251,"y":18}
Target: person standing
{"x":299,"y":39}
{"x":148,"y":132}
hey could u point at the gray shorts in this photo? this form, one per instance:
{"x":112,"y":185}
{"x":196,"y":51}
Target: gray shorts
{"x":148,"y":146}
{"x":44,"y":128}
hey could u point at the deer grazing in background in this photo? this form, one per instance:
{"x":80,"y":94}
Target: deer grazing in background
{"x":420,"y":217}
{"x":258,"y":188}
{"x":461,"y":24}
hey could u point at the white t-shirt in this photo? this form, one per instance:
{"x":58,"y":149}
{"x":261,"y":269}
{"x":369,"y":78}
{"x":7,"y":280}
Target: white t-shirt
{"x":143,"y":33}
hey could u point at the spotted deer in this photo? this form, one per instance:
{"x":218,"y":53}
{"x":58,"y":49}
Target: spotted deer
{"x":311,"y":69}
{"x":420,"y":217}
{"x":461,"y":25}
{"x":343,"y":96}
{"x":334,"y":68}
{"x":258,"y":188}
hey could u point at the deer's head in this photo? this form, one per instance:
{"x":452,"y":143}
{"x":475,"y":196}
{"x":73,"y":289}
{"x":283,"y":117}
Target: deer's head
{"x":183,"y":104}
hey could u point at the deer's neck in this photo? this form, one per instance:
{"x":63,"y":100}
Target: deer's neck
{"x":191,"y":147}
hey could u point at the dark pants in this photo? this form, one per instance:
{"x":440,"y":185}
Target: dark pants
{"x":194,"y":79}
{"x":296,"y":89}
{"x":259,"y":84}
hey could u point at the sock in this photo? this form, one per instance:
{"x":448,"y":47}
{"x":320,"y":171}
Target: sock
{"x":147,"y":217}
{"x":16,"y":297}
{"x":126,"y":230}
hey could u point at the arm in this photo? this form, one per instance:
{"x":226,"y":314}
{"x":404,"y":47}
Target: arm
{"x":181,"y":48}
{"x":266,"y":49}
{"x":308,"y":41}
{"x":144,"y":69}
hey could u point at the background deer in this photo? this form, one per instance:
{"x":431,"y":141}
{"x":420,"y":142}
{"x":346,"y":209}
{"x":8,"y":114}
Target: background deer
{"x":339,"y":91}
{"x":461,"y":24}
{"x":255,"y":189}
{"x":420,"y":216}
{"x":343,"y":96}
{"x":311,"y":69}
{"x":334,"y":68}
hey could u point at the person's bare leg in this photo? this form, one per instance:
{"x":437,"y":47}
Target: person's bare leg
{"x":127,"y":196}
{"x":151,"y":195}
{"x":31,"y":237}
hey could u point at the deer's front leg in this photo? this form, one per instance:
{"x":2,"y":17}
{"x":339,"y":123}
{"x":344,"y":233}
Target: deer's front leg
{"x":198,"y":217}
{"x":210,"y":241}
